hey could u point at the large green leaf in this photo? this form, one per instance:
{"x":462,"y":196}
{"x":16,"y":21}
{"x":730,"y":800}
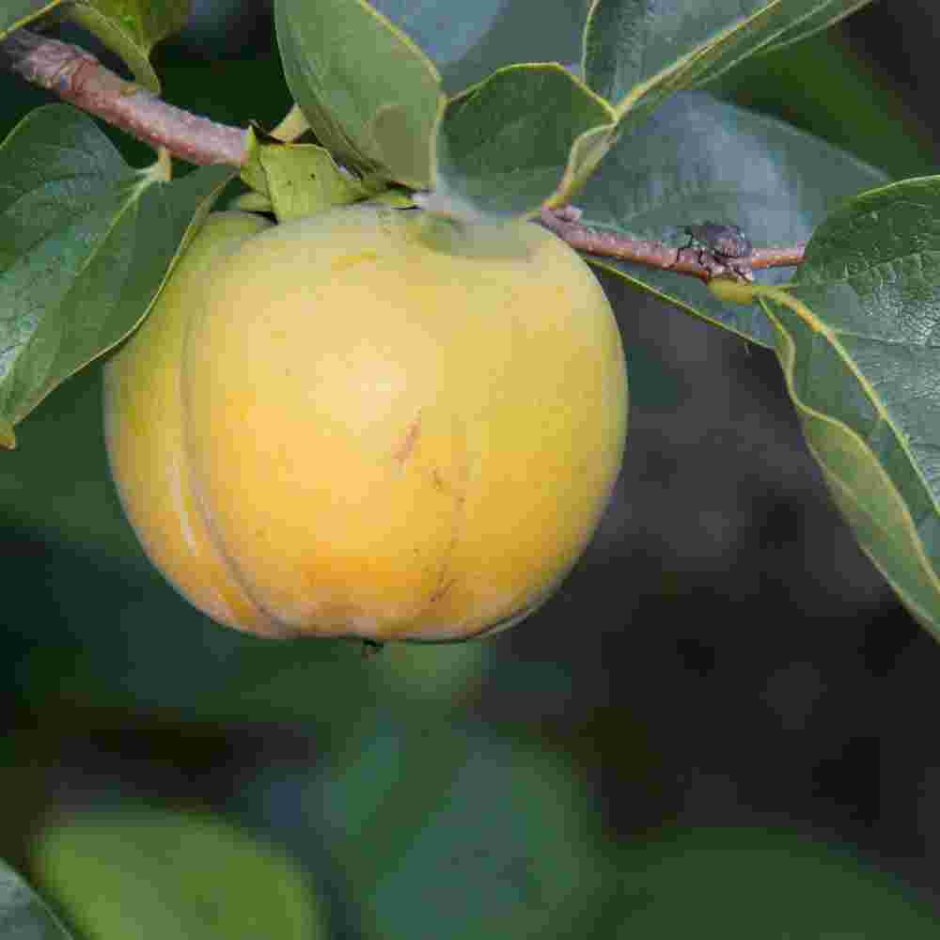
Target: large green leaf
{"x":861,"y":357}
{"x":23,"y":916}
{"x":467,"y":41}
{"x":15,"y":14}
{"x":698,"y":159}
{"x":140,"y":872}
{"x":131,"y":28}
{"x":85,"y":243}
{"x":637,"y":52}
{"x":371,"y":96}
{"x":505,"y":145}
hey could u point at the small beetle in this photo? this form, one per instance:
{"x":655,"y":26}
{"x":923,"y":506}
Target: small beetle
{"x":721,"y":248}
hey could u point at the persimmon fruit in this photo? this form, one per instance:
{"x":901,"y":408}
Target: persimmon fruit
{"x":372,"y":422}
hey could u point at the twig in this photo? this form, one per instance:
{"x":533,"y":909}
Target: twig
{"x":78,"y":77}
{"x":565,"y":223}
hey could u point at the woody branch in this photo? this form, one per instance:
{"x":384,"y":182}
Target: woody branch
{"x":76,"y":76}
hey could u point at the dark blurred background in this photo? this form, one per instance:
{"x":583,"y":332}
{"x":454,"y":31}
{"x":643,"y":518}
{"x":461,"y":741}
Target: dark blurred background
{"x":722,"y":710}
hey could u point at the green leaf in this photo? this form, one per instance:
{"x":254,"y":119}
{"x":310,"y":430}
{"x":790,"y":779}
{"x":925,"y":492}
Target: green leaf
{"x":505,"y":145}
{"x":698,"y":159}
{"x":131,"y":28}
{"x":85,"y":243}
{"x":23,"y":916}
{"x":371,"y":96}
{"x":861,"y":357}
{"x":467,"y":41}
{"x":15,"y":14}
{"x":142,"y":872}
{"x":758,"y":884}
{"x":300,"y":179}
{"x":635,"y":54}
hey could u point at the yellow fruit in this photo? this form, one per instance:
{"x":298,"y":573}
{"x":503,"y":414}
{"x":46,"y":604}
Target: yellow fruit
{"x":369,"y":423}
{"x":145,"y":437}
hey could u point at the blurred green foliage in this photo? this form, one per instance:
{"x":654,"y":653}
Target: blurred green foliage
{"x":757,"y":884}
{"x":140,"y":872}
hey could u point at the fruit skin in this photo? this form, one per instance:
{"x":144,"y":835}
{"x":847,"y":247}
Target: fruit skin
{"x":392,"y":426}
{"x":145,"y":439}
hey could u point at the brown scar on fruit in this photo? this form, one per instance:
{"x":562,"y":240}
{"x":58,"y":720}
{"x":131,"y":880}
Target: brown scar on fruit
{"x":441,"y":588}
{"x":408,"y":441}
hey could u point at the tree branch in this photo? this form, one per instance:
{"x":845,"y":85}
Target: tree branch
{"x":77,"y":77}
{"x":565,"y":223}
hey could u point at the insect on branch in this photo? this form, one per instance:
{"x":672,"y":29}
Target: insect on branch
{"x":689,"y":260}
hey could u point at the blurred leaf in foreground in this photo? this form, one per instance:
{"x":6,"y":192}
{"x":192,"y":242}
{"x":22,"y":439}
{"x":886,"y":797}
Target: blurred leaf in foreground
{"x":147,"y":873}
{"x":432,"y":830}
